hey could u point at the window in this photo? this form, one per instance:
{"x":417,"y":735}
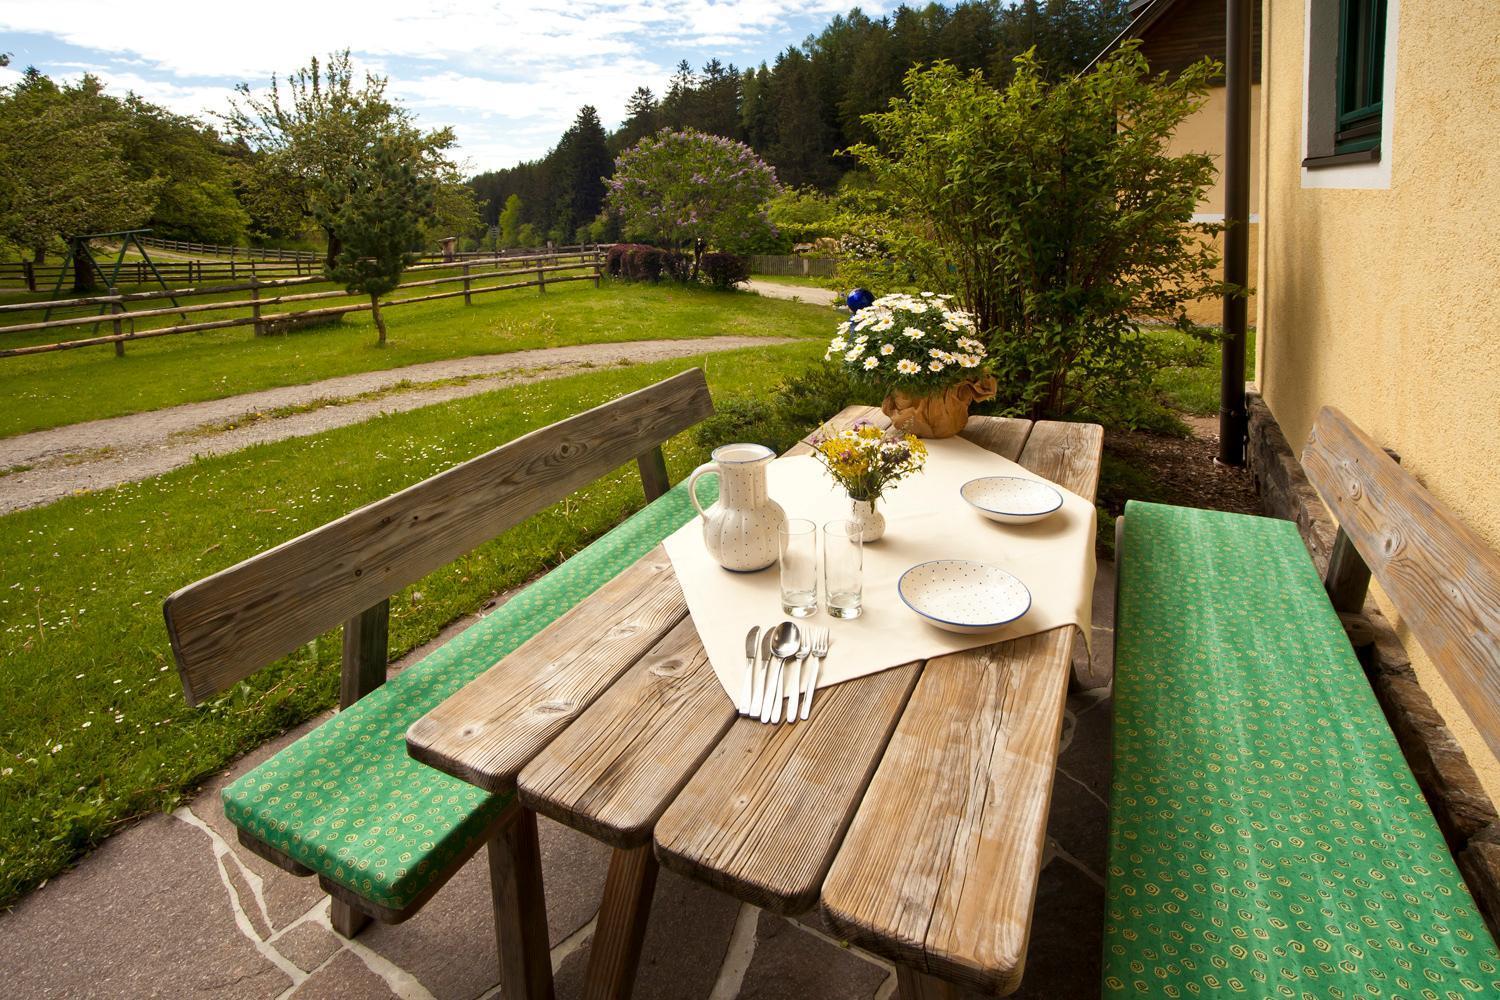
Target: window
{"x":1360,"y":76}
{"x":1350,"y":65}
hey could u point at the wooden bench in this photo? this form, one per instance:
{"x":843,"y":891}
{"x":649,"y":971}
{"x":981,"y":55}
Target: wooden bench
{"x":1266,"y":834}
{"x":381,"y":831}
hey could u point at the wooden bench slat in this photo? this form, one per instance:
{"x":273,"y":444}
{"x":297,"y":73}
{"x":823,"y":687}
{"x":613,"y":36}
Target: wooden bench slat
{"x":764,"y":814}
{"x":940,"y":867}
{"x":612,"y":773}
{"x":227,"y":626}
{"x":1441,"y":576}
{"x":492,"y":728}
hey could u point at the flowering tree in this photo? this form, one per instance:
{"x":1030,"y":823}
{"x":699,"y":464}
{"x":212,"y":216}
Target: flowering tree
{"x":687,"y":187}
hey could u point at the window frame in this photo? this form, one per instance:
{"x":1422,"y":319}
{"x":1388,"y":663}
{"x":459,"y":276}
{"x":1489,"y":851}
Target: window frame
{"x":1359,"y":76}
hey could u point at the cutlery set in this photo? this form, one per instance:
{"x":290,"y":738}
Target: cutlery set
{"x":775,"y":665}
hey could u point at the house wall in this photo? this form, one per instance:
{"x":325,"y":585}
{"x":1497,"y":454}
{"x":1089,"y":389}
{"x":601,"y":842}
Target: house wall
{"x":1204,"y":133}
{"x":1378,"y":283}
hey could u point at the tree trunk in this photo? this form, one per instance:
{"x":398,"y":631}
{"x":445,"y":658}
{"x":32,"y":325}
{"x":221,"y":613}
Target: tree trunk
{"x":334,"y":246}
{"x":379,"y":320}
{"x":83,"y":271}
{"x":39,"y":255}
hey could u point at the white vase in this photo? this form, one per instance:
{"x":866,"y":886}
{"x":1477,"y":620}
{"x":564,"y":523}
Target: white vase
{"x":871,"y":522}
{"x":740,"y":528}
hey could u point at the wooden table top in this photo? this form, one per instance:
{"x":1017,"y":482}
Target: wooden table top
{"x":912,"y":803}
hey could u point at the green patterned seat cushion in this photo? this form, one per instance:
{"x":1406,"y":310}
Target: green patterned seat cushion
{"x":1266,"y":836}
{"x":347,"y":801}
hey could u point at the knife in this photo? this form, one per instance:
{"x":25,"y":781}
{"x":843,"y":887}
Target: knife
{"x":762,"y":668}
{"x":751,"y":646}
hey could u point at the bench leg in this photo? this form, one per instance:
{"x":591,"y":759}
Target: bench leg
{"x":346,"y":920}
{"x":520,"y":910}
{"x":914,"y":985}
{"x":621,"y":927}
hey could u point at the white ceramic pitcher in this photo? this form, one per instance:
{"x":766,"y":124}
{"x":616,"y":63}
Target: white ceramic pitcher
{"x":740,"y":529}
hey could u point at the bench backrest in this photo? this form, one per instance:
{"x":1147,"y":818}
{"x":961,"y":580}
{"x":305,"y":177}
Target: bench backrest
{"x":227,"y":626}
{"x":1441,"y":576}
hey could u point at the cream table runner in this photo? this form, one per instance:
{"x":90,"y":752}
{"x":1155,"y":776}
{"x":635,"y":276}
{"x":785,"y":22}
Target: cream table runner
{"x":926,"y":519}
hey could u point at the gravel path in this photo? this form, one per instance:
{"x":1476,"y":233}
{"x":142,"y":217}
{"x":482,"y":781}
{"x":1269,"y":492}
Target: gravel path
{"x":101,"y":453}
{"x":796,"y":293}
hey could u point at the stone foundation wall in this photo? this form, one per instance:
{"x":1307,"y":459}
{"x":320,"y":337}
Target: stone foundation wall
{"x":1464,"y":812}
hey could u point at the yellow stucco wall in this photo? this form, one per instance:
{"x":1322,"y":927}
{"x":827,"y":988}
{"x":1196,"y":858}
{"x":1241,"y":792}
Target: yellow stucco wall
{"x":1204,"y":133}
{"x":1384,"y":301}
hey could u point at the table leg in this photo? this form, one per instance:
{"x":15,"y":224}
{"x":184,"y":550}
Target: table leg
{"x":914,"y":985}
{"x":520,"y":910}
{"x":621,"y":927}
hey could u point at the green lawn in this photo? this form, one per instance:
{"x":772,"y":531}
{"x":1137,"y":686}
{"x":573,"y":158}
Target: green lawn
{"x":93,"y":728}
{"x":52,"y":389}
{"x":1190,"y":380}
{"x":801,"y":281}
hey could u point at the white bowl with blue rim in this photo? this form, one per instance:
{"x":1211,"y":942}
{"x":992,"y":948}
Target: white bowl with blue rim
{"x":1012,"y":499}
{"x":963,"y":596}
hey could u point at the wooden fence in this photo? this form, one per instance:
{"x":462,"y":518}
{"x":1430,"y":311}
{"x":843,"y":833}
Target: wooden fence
{"x":218,"y":250}
{"x":822,"y":267}
{"x":121,"y":318}
{"x":235,"y":266}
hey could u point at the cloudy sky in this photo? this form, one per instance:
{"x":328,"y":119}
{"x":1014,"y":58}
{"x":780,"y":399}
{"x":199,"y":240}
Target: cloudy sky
{"x":507,"y":75}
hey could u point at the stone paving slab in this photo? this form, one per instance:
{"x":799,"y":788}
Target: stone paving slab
{"x":173,"y":907}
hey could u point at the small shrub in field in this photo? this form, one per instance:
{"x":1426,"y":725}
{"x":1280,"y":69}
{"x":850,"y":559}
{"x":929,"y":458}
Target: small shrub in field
{"x":796,"y":408}
{"x":725,"y":270}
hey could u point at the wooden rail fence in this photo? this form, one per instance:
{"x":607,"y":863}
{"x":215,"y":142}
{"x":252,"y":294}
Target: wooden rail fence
{"x":535,"y":268}
{"x":781,"y":264}
{"x":236,"y":263}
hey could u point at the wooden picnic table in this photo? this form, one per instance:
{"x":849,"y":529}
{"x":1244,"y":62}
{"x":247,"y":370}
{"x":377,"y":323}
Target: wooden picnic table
{"x":912,"y":804}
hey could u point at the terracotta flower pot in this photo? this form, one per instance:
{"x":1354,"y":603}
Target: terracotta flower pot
{"x":940,"y":415}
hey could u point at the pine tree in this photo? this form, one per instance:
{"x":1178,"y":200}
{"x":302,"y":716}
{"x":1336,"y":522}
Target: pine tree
{"x":582,"y":164}
{"x":376,"y":208}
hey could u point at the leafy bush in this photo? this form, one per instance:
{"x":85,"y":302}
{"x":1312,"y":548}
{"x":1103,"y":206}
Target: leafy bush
{"x":1055,"y":211}
{"x":795,"y":408}
{"x":639,"y":262}
{"x":725,"y":270}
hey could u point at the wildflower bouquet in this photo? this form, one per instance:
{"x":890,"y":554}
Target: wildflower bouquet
{"x":865,"y":460}
{"x":917,"y":343}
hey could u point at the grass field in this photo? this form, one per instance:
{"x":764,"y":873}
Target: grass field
{"x":52,"y":389}
{"x":93,"y":728}
{"x":1189,"y":382}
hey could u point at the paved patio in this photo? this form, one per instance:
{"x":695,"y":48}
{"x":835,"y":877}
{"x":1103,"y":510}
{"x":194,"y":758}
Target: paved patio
{"x":174,"y":907}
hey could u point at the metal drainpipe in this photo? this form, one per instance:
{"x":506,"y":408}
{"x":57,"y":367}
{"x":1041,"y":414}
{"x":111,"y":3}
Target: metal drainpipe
{"x":1233,"y":419}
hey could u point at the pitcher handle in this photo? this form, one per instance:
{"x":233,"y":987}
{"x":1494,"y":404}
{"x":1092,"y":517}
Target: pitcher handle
{"x":703,"y":469}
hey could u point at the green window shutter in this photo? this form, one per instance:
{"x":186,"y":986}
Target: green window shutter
{"x":1361,"y":74}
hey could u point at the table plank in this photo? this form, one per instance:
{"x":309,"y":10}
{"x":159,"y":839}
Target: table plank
{"x":940,"y":866}
{"x":762,"y":817}
{"x":612,"y":773}
{"x":492,"y":728}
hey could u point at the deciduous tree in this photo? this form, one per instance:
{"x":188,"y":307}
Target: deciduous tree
{"x":687,"y":189}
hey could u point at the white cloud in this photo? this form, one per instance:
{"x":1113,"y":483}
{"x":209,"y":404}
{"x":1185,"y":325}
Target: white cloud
{"x":509,"y":74}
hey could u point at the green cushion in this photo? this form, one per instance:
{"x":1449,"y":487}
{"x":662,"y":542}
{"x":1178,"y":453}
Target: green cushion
{"x":1266,"y":836}
{"x":347,"y":801}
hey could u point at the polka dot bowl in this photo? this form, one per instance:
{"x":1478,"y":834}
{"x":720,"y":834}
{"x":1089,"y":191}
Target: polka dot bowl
{"x":959,"y":595}
{"x":1012,"y":499}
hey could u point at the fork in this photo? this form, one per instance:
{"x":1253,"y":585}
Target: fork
{"x":821,"y":640}
{"x":795,"y":691}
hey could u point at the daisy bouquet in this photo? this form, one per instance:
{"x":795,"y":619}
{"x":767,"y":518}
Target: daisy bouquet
{"x":866,"y":460}
{"x":919,"y":344}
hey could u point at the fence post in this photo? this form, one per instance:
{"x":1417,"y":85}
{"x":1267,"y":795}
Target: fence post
{"x":258,"y":327}
{"x":30,"y":271}
{"x":115,"y":308}
{"x":541,"y":276}
{"x":231,"y":264}
{"x":466,"y":284}
{"x":598,"y":268}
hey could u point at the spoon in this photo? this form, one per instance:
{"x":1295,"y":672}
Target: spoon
{"x":785,"y":641}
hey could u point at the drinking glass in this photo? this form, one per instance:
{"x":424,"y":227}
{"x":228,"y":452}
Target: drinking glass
{"x":843,"y":568}
{"x":798,"y":540}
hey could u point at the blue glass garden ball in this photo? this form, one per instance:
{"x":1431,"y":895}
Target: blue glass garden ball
{"x":858,"y":299}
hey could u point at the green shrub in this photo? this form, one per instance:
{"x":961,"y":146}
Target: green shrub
{"x":1056,"y":212}
{"x":797,"y":406}
{"x":725,"y":270}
